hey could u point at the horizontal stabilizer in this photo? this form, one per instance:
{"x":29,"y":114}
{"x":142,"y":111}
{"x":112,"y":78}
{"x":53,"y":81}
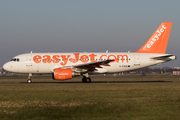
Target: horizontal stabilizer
{"x":163,"y":57}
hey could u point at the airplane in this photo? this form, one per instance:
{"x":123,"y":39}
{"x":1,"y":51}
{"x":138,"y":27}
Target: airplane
{"x":64,"y":66}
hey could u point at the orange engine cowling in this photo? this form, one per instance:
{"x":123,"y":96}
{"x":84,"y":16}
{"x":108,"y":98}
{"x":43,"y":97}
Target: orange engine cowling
{"x":62,"y":74}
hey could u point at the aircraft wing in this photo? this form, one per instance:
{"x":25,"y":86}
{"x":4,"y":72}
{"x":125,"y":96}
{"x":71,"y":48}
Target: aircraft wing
{"x":91,"y":66}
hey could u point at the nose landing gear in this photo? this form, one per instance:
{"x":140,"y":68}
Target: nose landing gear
{"x":29,"y":78}
{"x":29,"y":81}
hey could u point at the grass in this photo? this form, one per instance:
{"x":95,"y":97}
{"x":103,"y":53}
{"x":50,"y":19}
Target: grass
{"x":92,"y":101}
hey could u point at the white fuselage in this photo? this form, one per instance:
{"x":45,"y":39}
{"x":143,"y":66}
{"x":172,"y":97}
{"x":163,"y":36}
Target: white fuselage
{"x":47,"y":62}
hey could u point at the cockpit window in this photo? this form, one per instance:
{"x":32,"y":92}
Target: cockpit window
{"x":15,"y":59}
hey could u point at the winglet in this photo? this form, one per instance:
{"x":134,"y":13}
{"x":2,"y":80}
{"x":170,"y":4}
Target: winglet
{"x":157,"y":43}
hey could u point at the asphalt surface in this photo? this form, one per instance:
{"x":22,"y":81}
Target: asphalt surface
{"x":75,"y":83}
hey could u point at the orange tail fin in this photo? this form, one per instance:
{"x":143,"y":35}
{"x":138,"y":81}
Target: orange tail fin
{"x":157,"y":43}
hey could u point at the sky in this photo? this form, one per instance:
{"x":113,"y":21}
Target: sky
{"x":85,"y":26}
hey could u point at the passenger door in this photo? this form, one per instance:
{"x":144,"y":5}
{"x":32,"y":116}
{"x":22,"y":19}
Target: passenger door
{"x":136,"y":60}
{"x":28,"y":60}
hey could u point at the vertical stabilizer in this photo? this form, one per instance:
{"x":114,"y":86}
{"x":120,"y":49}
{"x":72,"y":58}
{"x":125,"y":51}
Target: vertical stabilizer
{"x":157,"y":43}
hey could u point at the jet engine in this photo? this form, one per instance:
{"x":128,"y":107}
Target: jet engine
{"x":63,"y":74}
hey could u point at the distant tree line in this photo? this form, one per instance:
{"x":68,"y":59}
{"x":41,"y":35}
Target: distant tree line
{"x":146,"y":70}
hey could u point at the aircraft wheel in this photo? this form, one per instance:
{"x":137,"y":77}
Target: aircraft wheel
{"x":29,"y":81}
{"x":88,"y":80}
{"x":84,"y":79}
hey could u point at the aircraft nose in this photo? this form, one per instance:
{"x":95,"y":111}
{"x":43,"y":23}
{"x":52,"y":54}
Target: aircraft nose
{"x":6,"y":66}
{"x":11,"y":67}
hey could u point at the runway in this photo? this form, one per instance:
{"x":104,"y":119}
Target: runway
{"x":77,"y":83}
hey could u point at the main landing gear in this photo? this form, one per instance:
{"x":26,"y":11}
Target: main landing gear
{"x":86,"y":79}
{"x":29,"y":78}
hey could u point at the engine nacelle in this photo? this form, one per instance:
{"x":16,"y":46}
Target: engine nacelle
{"x":63,"y":74}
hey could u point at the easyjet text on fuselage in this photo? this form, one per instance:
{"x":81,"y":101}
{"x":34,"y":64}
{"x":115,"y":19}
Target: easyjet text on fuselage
{"x":76,"y":57}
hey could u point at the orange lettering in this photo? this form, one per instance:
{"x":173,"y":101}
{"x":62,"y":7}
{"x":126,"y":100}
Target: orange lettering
{"x":37,"y":59}
{"x":118,"y":56}
{"x":84,"y":58}
{"x":46,"y":59}
{"x":102,"y":56}
{"x":76,"y":58}
{"x":56,"y":58}
{"x":92,"y":57}
{"x":65,"y":59}
{"x":114,"y":58}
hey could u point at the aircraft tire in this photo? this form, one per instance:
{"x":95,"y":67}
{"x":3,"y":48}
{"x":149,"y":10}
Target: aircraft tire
{"x":88,"y":80}
{"x":84,"y":79}
{"x":29,"y":81}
